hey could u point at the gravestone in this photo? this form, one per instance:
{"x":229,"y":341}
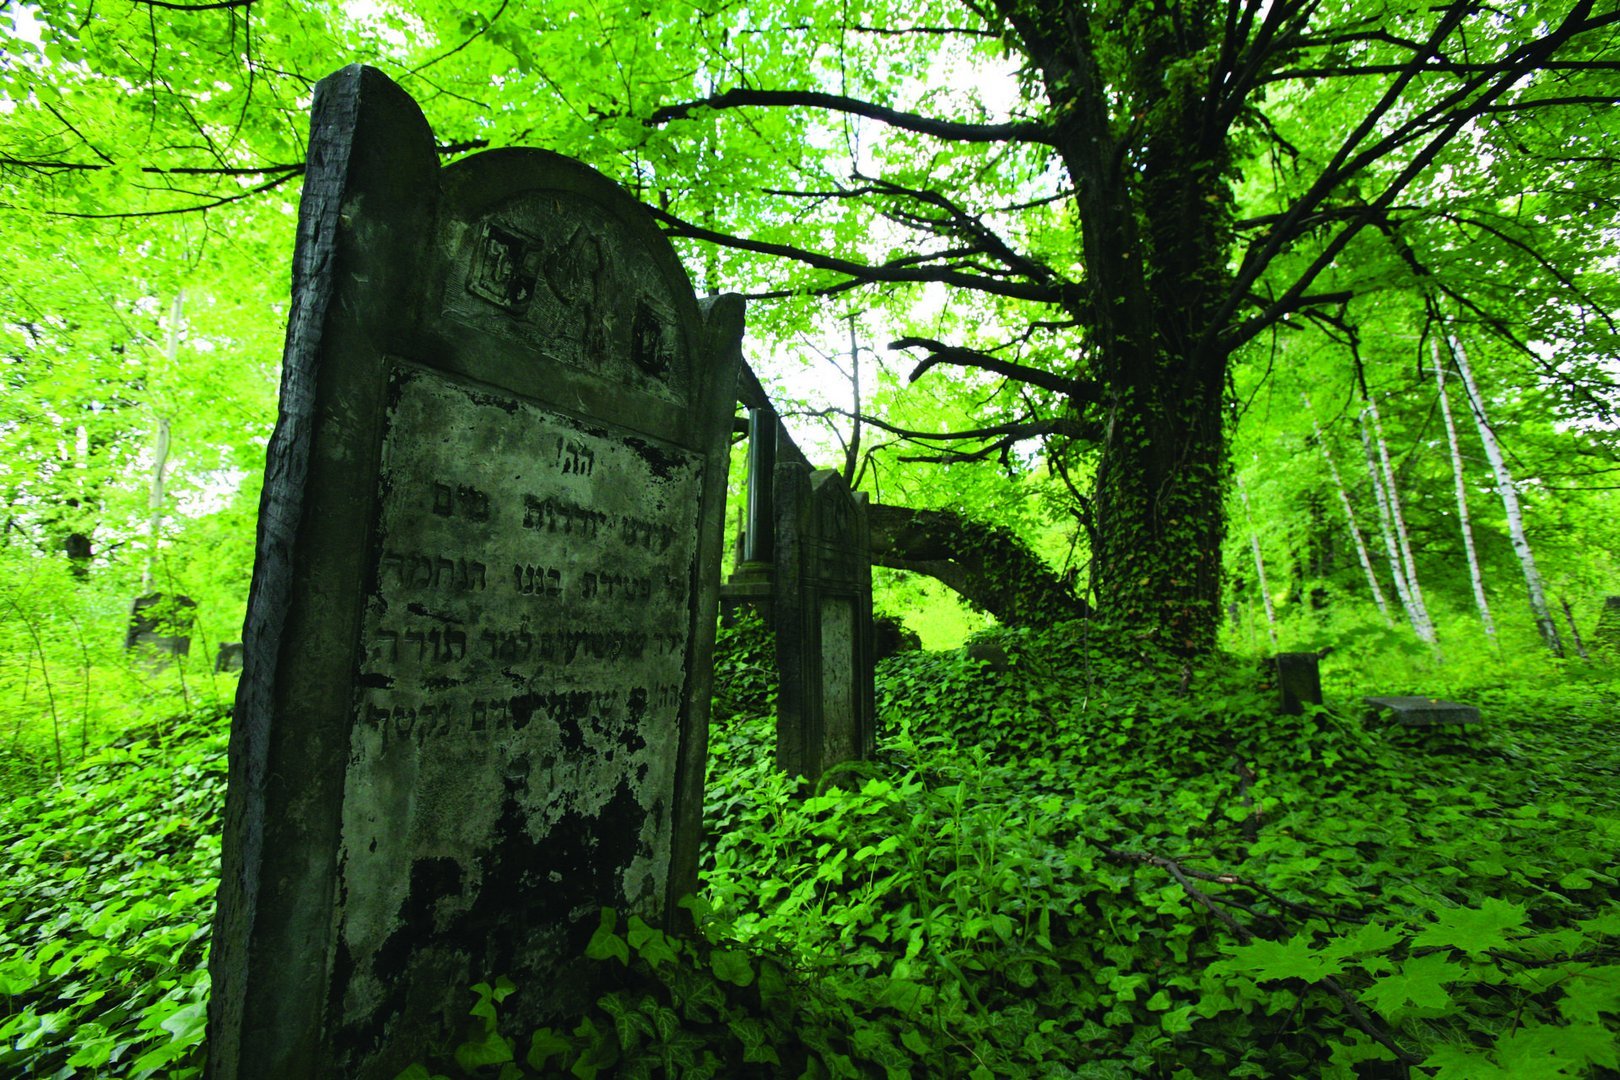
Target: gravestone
{"x":1421,"y":711}
{"x":229,"y":657}
{"x":1299,"y":681}
{"x":477,"y":656}
{"x":891,"y":637}
{"x":159,"y":627}
{"x":822,"y":607}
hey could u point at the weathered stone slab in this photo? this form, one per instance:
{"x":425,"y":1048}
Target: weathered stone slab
{"x":229,"y":657}
{"x":1299,"y":681}
{"x":823,"y":617}
{"x":160,"y":627}
{"x":476,"y":671}
{"x":1419,"y":711}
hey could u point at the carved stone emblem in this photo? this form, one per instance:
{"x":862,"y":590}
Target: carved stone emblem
{"x":506,"y":269}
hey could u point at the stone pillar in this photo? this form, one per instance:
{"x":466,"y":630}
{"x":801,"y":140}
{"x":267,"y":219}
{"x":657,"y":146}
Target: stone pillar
{"x":823,"y":611}
{"x":749,"y":586}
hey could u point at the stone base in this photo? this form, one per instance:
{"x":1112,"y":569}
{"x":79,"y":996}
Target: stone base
{"x":1421,"y":711}
{"x":748,"y":589}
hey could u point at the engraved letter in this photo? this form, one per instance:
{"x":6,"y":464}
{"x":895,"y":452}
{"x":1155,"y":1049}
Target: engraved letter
{"x":392,"y":642}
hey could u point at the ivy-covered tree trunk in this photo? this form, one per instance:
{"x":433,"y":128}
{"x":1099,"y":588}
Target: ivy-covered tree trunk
{"x":1154,"y":238}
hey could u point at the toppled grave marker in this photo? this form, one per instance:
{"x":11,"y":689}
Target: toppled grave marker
{"x":1422,"y":711}
{"x":478,"y":650}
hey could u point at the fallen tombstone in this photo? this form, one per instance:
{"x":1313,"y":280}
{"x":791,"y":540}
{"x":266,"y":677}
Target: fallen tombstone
{"x":1421,"y":711}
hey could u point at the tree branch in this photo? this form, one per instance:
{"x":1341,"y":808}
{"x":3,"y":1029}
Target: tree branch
{"x":896,"y":270}
{"x":941,"y":353}
{"x":952,"y":130}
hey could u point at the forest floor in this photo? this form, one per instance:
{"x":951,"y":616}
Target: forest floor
{"x":1086,"y":865}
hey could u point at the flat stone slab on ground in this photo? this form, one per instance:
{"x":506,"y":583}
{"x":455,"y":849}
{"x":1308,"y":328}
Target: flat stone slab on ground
{"x":1417,"y":711}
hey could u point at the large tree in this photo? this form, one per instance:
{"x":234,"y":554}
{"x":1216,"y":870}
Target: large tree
{"x":1086,"y":211}
{"x":1137,"y":124}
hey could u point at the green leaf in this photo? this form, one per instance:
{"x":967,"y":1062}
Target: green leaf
{"x":1420,"y":984}
{"x":492,"y":1049}
{"x":732,"y":966}
{"x":1474,"y":930}
{"x":1290,"y":959}
{"x":650,"y":943}
{"x":545,"y":1045}
{"x":604,"y":943}
{"x":1372,"y":937}
{"x":1591,"y":992}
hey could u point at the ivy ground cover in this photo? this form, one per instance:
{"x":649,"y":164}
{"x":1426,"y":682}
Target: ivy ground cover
{"x":1089,"y":864}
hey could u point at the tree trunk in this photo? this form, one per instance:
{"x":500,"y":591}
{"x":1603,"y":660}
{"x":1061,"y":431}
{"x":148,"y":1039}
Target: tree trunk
{"x":1386,"y":526}
{"x":1462,"y":493}
{"x":1420,"y":610}
{"x":1574,"y":631}
{"x":160,"y":458}
{"x":1396,"y":574}
{"x":1510,"y":502}
{"x":1350,"y":517}
{"x":1259,"y":564}
{"x":988,"y":566}
{"x":1153,"y":342}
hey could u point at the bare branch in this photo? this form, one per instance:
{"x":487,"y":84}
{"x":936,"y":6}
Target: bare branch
{"x":225,"y":200}
{"x":1068,"y":427}
{"x":217,"y":5}
{"x":952,"y":130}
{"x":910,"y":269}
{"x":941,"y":353}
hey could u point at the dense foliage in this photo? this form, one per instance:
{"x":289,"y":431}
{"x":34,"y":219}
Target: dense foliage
{"x":1094,"y":863}
{"x":1096,"y":231}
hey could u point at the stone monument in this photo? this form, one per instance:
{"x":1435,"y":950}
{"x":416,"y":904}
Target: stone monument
{"x":477,"y":655}
{"x":822,"y":613}
{"x":160,"y":627}
{"x":1299,"y":681}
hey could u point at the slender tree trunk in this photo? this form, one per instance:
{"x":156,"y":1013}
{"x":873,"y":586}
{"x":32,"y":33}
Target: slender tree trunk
{"x":160,"y":457}
{"x":1259,"y":564}
{"x":1462,"y":493}
{"x":1574,"y":631}
{"x":1381,"y":499}
{"x":1420,"y":611}
{"x":1510,"y":501}
{"x":1350,"y":517}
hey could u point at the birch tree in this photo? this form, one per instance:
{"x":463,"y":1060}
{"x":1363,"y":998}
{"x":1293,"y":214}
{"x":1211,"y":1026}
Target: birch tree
{"x":1415,"y":613}
{"x":1510,"y":500}
{"x":1474,"y":573}
{"x":1350,"y":520}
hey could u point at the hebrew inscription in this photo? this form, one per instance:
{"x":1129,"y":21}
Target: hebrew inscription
{"x":525,"y":645}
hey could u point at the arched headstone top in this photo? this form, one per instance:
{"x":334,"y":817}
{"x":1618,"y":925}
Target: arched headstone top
{"x":541,"y":250}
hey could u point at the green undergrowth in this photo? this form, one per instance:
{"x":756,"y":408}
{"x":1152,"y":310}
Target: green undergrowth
{"x":108,"y":894}
{"x":1083,"y":862}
